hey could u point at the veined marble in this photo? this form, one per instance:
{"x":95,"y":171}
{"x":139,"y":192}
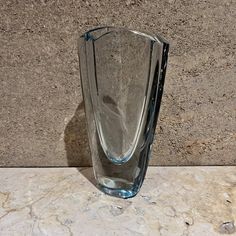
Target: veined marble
{"x":174,"y":201}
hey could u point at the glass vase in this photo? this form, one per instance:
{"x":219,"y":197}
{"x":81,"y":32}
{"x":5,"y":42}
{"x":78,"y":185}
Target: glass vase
{"x":122,"y":74}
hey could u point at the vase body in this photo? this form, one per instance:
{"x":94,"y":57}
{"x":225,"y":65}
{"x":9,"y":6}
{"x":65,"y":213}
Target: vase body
{"x":122,"y":74}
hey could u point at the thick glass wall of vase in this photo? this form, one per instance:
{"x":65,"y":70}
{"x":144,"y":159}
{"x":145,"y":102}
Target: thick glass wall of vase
{"x":122,"y":73}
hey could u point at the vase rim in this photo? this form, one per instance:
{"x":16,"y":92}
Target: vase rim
{"x":151,"y":36}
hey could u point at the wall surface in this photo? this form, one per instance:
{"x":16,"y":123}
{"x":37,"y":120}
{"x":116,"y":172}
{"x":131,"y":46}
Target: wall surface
{"x":42,"y":122}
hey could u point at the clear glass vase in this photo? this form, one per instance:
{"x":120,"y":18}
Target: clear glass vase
{"x":122,"y":73}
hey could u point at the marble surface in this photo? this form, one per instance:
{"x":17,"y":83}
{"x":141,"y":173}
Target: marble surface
{"x":179,"y":201}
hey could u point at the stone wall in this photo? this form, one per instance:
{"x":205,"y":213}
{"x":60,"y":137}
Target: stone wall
{"x":41,"y":111}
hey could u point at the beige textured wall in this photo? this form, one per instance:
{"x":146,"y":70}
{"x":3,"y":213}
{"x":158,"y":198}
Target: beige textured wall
{"x":41,"y":110}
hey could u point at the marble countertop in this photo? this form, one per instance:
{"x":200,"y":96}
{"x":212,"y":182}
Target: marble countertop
{"x":179,"y":201}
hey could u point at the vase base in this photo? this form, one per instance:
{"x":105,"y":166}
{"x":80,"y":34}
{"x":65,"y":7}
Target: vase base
{"x":121,"y":193}
{"x":117,"y":187}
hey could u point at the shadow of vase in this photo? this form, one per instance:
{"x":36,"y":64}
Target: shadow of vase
{"x":76,"y":140}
